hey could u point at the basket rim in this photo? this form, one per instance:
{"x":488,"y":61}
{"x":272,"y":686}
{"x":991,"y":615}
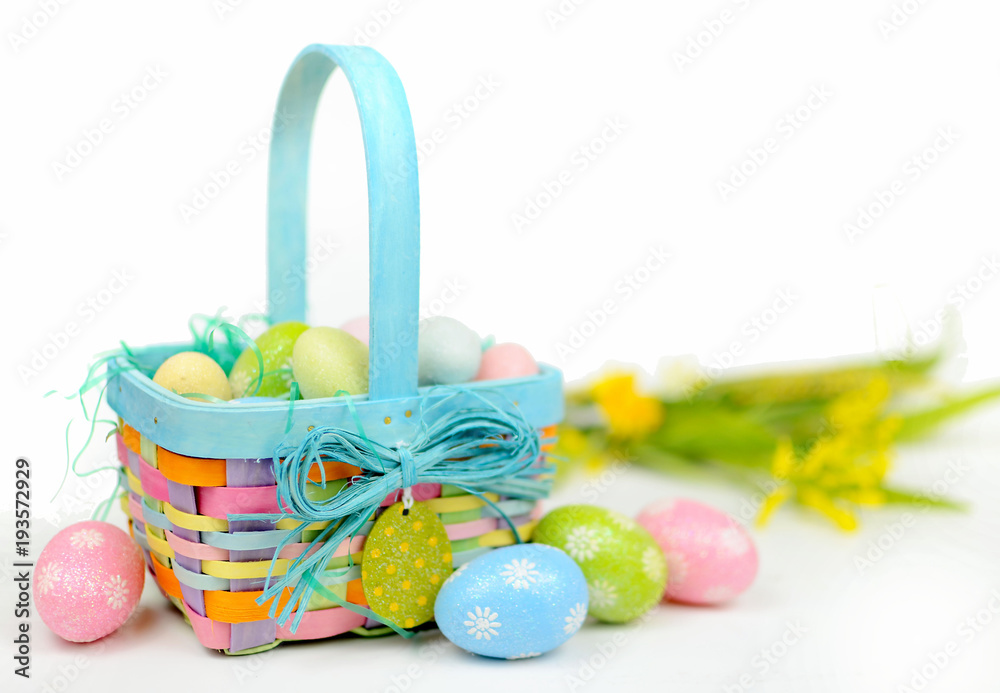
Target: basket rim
{"x":253,"y":430}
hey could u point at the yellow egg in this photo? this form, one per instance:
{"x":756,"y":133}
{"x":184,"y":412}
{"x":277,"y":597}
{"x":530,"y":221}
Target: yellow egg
{"x":193,"y":372}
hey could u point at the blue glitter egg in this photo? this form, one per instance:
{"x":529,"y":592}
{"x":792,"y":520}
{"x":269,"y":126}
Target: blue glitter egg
{"x":512,"y":603}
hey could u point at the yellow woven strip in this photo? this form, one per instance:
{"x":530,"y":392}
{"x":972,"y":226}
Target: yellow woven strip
{"x":199,"y":523}
{"x":456,"y":504}
{"x":134,"y":485}
{"x":159,"y":545}
{"x":252,"y":569}
{"x":292,"y":523}
{"x":504,"y":537}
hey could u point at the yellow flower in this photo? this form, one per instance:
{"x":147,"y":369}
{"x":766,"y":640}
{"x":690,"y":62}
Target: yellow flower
{"x":629,"y":414}
{"x":844,"y":467}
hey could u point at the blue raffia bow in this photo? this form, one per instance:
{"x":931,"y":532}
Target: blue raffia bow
{"x":488,"y":447}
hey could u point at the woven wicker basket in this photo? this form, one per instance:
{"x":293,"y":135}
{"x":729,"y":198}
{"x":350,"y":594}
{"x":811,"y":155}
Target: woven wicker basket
{"x":191,"y":465}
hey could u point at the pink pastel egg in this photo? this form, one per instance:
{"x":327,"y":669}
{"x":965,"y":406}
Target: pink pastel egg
{"x":357,"y":328}
{"x":711,"y":558}
{"x":506,"y":361}
{"x":87,"y":580}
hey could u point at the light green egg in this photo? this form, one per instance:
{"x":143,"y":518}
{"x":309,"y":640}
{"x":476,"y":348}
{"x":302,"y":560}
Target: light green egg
{"x":326,"y":360}
{"x":625,"y":568}
{"x":276,"y":346}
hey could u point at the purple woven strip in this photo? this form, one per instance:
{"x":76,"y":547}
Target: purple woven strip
{"x":183,"y":498}
{"x":243,"y":473}
{"x":243,"y":636}
{"x":133,"y":464}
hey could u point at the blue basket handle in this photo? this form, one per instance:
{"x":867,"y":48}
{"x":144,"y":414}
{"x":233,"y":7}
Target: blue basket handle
{"x":393,"y":205}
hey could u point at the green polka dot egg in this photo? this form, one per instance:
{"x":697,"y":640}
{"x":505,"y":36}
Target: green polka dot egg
{"x":625,"y":568}
{"x":406,"y":560}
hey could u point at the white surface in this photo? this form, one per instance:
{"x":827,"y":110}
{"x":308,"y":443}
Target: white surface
{"x":64,"y":240}
{"x":862,"y":629}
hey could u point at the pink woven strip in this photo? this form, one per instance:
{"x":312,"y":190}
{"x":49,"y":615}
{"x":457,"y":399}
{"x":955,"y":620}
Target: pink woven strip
{"x":210,"y":633}
{"x":122,"y":450}
{"x":353,"y":546}
{"x":324,"y":623}
{"x":135,"y":508}
{"x":467,"y":530}
{"x":421,"y":492}
{"x":220,"y":501}
{"x":192,"y":549}
{"x":154,"y":484}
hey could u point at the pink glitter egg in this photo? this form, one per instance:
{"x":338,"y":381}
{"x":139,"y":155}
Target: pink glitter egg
{"x":710,"y":557}
{"x":506,"y":361}
{"x":87,"y":581}
{"x":357,"y":328}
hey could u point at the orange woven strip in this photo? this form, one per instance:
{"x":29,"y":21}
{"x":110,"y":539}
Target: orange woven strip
{"x":334,"y":470}
{"x":240,"y":607}
{"x":131,"y":438}
{"x":166,"y":579}
{"x":193,"y":471}
{"x":356,"y":593}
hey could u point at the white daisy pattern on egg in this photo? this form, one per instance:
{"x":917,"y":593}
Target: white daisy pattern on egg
{"x":677,"y":568}
{"x":653,"y":565}
{"x":239,"y":383}
{"x":458,"y":571}
{"x":286,"y":374}
{"x":116,"y":590}
{"x":48,"y":577}
{"x":525,"y":655}
{"x":520,"y":574}
{"x":582,"y":543}
{"x":86,"y":539}
{"x":575,"y":618}
{"x":733,"y":542}
{"x":718,"y":593}
{"x":622,"y":521}
{"x":483,"y":624}
{"x":602,"y":593}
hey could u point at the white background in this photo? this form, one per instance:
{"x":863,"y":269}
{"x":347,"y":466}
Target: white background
{"x":890,"y":86}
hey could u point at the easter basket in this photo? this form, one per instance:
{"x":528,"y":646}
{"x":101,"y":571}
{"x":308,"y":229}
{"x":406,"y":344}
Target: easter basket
{"x":253,"y":518}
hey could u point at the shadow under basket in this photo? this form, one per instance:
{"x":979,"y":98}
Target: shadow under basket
{"x":192,"y":465}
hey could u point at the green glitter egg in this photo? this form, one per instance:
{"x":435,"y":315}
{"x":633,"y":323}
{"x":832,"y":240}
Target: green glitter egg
{"x":276,"y":346}
{"x":407,"y":558}
{"x":625,"y":568}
